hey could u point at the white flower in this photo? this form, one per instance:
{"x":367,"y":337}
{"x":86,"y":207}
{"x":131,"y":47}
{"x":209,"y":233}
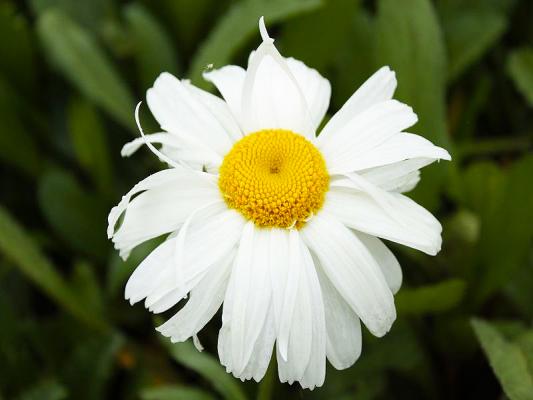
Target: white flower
{"x":278,"y":225}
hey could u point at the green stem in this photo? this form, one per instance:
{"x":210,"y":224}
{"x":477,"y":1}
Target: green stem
{"x":266,"y":387}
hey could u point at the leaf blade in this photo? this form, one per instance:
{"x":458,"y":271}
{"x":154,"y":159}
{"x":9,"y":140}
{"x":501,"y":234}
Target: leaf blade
{"x":17,"y":245}
{"x":76,"y":53}
{"x":409,"y":39}
{"x":205,"y":365}
{"x":520,"y":69}
{"x":432,"y":299}
{"x":507,"y":361}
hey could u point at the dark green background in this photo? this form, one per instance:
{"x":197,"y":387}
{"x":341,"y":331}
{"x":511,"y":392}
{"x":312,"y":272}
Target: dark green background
{"x":70,"y":75}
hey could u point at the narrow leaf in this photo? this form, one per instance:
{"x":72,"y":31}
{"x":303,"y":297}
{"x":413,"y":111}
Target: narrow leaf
{"x":85,"y":283}
{"x":299,"y":39}
{"x":18,"y":246}
{"x":410,"y":41}
{"x":352,"y":69}
{"x":76,"y":215}
{"x":75,"y":52}
{"x":430,"y":299}
{"x":175,"y":393}
{"x":205,"y":365}
{"x":48,"y":390}
{"x":507,"y":360}
{"x":90,"y":365}
{"x":520,"y":69}
{"x":469,"y":34}
{"x":266,"y":386}
{"x":93,"y":15}
{"x":17,"y":146}
{"x":90,"y":142}
{"x":154,"y":50}
{"x":17,"y":59}
{"x":505,"y":240}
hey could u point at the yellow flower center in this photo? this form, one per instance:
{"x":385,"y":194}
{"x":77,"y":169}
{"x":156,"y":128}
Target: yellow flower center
{"x":275,"y":178}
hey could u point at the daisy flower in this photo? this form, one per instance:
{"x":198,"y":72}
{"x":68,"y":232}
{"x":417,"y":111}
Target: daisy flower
{"x":278,"y":225}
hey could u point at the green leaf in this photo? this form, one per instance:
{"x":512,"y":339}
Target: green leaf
{"x":399,"y":350}
{"x":17,"y":60}
{"x":48,"y":390}
{"x":352,"y":69}
{"x":209,"y":368}
{"x":76,"y":215}
{"x":495,"y":146}
{"x":267,"y":384}
{"x":482,"y":187}
{"x":519,"y":288}
{"x":85,"y":284}
{"x":175,"y":393}
{"x":409,"y":40}
{"x":508,"y":361}
{"x":75,"y":52}
{"x":17,"y":147}
{"x":463,"y":113}
{"x":92,"y":15}
{"x":189,"y":19}
{"x":506,"y":233}
{"x":237,"y":26}
{"x":17,"y":245}
{"x":153,"y":48}
{"x":299,"y":39}
{"x":430,"y":299}
{"x":520,"y":69}
{"x":89,"y":140}
{"x":90,"y":366}
{"x":469,"y":34}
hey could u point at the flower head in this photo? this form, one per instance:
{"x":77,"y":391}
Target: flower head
{"x":276,"y":224}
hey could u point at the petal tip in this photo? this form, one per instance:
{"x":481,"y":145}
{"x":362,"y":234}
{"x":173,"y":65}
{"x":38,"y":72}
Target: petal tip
{"x":263,"y":31}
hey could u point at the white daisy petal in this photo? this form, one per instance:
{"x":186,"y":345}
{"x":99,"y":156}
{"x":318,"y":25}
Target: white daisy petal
{"x":206,"y":298}
{"x":352,"y":270}
{"x":315,"y":88}
{"x":400,"y":147}
{"x":145,"y":277}
{"x":215,"y":228}
{"x":161,"y":137}
{"x":224,"y":345}
{"x":181,"y":111}
{"x":390,"y":267}
{"x":220,"y":110}
{"x":378,"y":88}
{"x":343,"y":328}
{"x":368,"y":129}
{"x":398,"y":177}
{"x":262,"y":352}
{"x":248,"y":298}
{"x":306,"y":355}
{"x":283,"y":280}
{"x":163,"y":201}
{"x":229,"y":81}
{"x":315,"y":372}
{"x":271,"y":95}
{"x":178,"y":148}
{"x":392,"y":216}
{"x":292,"y":367}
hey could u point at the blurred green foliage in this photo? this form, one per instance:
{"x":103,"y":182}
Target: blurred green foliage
{"x":70,"y":74}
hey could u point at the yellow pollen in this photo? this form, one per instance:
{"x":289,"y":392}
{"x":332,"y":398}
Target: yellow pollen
{"x":275,"y":178}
